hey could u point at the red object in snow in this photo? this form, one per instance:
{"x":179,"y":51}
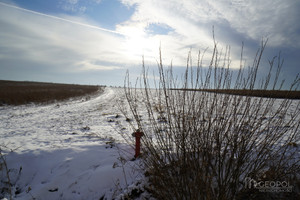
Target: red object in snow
{"x":137,"y":134}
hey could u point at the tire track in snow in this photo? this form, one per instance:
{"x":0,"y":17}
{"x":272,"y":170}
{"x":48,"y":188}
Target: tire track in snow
{"x":38,"y":126}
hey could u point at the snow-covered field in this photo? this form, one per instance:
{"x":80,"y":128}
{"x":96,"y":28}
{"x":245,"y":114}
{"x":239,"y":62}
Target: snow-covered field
{"x":72,"y":150}
{"x":68,"y":150}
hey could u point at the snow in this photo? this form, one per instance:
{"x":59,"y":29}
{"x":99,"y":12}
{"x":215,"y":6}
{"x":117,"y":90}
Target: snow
{"x":75,"y":149}
{"x":68,"y":150}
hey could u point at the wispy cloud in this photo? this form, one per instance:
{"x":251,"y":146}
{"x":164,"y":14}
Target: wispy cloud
{"x":63,"y":41}
{"x":76,"y":43}
{"x":73,"y":20}
{"x":235,"y":21}
{"x":254,"y":19}
{"x":72,"y":5}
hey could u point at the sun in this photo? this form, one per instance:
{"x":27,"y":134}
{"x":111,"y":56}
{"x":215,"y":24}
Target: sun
{"x":138,"y":43}
{"x":135,"y":45}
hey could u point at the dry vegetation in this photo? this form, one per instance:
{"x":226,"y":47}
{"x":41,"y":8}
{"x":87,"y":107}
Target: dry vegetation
{"x":206,"y":145}
{"x":278,"y":94}
{"x":17,"y":93}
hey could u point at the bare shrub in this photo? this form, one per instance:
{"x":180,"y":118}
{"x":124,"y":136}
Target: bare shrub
{"x":206,"y":145}
{"x":5,"y":182}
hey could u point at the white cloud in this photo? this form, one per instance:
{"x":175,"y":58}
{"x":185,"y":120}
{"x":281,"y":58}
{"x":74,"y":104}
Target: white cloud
{"x":72,"y":5}
{"x":92,"y":66}
{"x":75,"y":44}
{"x":275,"y":19}
{"x":48,"y":40}
{"x":234,"y":21}
{"x":255,"y":19}
{"x":72,"y":1}
{"x":97,"y":1}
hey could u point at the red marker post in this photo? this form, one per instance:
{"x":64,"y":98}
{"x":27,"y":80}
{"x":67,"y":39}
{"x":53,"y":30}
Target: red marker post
{"x":137,"y":134}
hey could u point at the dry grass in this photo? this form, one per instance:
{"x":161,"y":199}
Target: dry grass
{"x":18,"y":93}
{"x":5,"y":183}
{"x":278,"y":94}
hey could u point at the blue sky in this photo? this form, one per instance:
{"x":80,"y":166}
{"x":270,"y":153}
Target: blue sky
{"x":96,"y":41}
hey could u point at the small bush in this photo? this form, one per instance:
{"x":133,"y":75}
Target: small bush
{"x":210,"y":143}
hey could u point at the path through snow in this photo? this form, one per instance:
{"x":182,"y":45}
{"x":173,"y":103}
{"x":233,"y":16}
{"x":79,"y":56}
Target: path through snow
{"x":67,"y":150}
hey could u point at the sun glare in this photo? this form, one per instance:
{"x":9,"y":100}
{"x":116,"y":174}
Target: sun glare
{"x":138,"y":43}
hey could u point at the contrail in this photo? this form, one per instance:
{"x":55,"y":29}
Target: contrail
{"x":62,"y":19}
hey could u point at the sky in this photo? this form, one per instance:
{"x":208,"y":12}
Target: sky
{"x":97,"y":41}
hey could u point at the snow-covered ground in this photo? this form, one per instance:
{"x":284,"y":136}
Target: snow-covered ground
{"x":68,"y":150}
{"x":73,"y":150}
